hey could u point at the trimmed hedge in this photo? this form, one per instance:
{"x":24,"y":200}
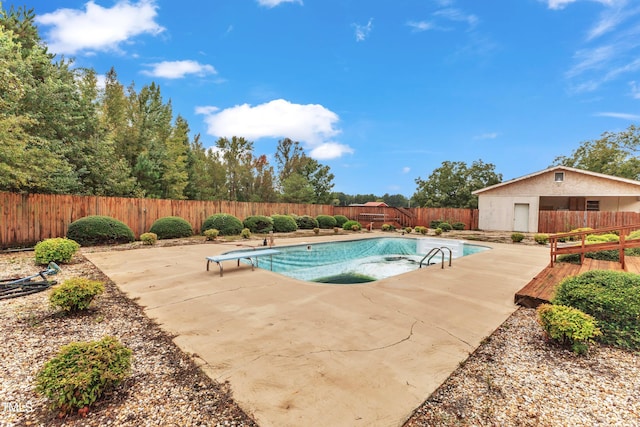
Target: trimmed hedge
{"x":258,"y":224}
{"x":340,"y":220}
{"x":226,"y":224}
{"x":568,"y":326}
{"x":99,"y":230}
{"x":306,"y":222}
{"x":612,"y":298}
{"x":326,"y":222}
{"x":352,"y":226}
{"x":57,"y":249}
{"x":284,"y":223}
{"x":171,"y":227}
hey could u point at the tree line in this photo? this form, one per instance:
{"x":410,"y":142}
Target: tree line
{"x":62,"y":133}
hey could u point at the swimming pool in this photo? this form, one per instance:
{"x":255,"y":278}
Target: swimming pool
{"x":360,"y":261}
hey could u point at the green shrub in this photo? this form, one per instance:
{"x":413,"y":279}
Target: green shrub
{"x":245,"y":233}
{"x":211,"y":234}
{"x":633,"y":235}
{"x":601,"y":238}
{"x":541,"y":238}
{"x":336,"y":230}
{"x":75,"y":294}
{"x":149,"y":238}
{"x":408,"y":230}
{"x":612,"y":298}
{"x":171,"y":227}
{"x":226,"y":224}
{"x":99,"y":230}
{"x":316,"y":230}
{"x":349,"y":225}
{"x":284,"y":223}
{"x":57,"y":250}
{"x":568,"y":326}
{"x":340,"y":220}
{"x":435,"y":223}
{"x":517,"y":237}
{"x":445,"y":226}
{"x":386,"y":227}
{"x":82,"y":371}
{"x":458,"y":225}
{"x":306,"y":222}
{"x":575,"y":230}
{"x":421,"y":229}
{"x":258,"y":224}
{"x":438,"y":231}
{"x":326,"y":222}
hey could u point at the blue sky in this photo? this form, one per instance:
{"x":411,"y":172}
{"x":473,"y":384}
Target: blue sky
{"x":381,"y":91}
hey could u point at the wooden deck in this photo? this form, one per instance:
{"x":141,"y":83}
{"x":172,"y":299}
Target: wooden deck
{"x":541,"y":288}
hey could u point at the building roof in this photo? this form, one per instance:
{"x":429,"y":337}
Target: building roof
{"x":555,"y":169}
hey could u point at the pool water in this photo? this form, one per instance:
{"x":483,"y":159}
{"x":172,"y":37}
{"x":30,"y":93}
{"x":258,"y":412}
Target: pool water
{"x":360,"y":261}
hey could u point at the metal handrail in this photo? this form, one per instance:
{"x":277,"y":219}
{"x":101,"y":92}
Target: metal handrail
{"x":433,"y":252}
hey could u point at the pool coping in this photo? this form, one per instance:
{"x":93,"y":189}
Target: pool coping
{"x":301,"y":353}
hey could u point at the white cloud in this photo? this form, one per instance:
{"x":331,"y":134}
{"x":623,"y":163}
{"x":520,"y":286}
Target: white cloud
{"x":421,"y":26}
{"x":406,"y":169}
{"x":311,"y":124}
{"x":624,"y":116}
{"x":98,"y":28}
{"x":330,"y":150}
{"x":179,"y":69}
{"x":274,"y":3}
{"x":560,"y":4}
{"x":456,"y":15}
{"x":635,"y":90}
{"x":363,"y":31}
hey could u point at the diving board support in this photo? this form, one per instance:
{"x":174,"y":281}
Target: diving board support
{"x":252,"y":256}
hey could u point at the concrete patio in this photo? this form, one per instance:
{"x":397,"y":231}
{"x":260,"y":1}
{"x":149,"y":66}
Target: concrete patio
{"x":299,"y":353}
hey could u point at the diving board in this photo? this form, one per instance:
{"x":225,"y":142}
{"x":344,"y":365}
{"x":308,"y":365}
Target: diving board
{"x":250,"y":255}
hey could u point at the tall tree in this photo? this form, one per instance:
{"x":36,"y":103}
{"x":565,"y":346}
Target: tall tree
{"x":613,"y":154}
{"x":289,"y":158}
{"x":264,"y":187}
{"x":451,"y":185}
{"x":320,"y":178}
{"x":174,"y":167}
{"x":237,"y":155}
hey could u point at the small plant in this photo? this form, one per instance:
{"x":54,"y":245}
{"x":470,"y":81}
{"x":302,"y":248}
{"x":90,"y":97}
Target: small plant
{"x":306,"y":222}
{"x":445,"y":226}
{"x":336,"y":230}
{"x":171,"y":227}
{"x":421,"y":229}
{"x":75,"y":294}
{"x":316,"y":230}
{"x":408,"y":230}
{"x":385,"y":227}
{"x":149,"y":238}
{"x":57,"y":250}
{"x":245,"y":233}
{"x":517,"y":237}
{"x":435,"y":223}
{"x":541,"y":238}
{"x":458,"y":225}
{"x":568,"y":326}
{"x":82,"y":371}
{"x":352,"y":225}
{"x":211,"y":234}
{"x":99,"y":230}
{"x":438,"y":231}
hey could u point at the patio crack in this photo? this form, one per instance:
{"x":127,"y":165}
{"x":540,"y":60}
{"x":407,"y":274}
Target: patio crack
{"x":198,"y":297}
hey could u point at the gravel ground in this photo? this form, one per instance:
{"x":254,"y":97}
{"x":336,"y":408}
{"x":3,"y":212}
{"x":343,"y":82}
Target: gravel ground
{"x":515,"y":378}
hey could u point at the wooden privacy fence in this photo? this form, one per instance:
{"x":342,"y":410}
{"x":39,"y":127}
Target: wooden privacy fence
{"x":564,"y":221}
{"x":30,"y":218}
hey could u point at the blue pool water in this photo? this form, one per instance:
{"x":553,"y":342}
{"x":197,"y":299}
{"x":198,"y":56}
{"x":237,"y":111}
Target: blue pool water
{"x":358,"y":261}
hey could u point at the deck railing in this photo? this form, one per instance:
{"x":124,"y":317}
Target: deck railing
{"x":577,"y":243}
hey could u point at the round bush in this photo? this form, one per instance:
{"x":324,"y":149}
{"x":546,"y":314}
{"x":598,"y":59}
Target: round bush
{"x":226,"y":224}
{"x":99,"y":230}
{"x":568,"y":326}
{"x":75,"y":294}
{"x":57,"y":250}
{"x":171,"y":227}
{"x":306,"y":222}
{"x":149,"y":238}
{"x":340,"y":220}
{"x":284,"y":224}
{"x":458,"y":225}
{"x":82,"y":371}
{"x":352,"y":226}
{"x":541,"y":238}
{"x":517,"y":237}
{"x":326,"y":222}
{"x":612,"y":297}
{"x":258,"y":224}
{"x":445,"y":226}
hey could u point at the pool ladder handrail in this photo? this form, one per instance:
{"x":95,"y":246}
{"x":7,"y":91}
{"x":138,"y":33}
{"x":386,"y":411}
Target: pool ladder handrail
{"x":433,"y":252}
